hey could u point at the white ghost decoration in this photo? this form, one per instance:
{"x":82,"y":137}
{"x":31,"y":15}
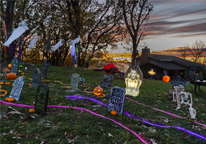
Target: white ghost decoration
{"x":57,"y":45}
{"x":17,"y":33}
{"x":33,"y":42}
{"x":73,"y":42}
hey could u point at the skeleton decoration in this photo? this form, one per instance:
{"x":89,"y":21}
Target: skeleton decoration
{"x":183,"y":98}
{"x":17,"y":33}
{"x":57,"y":45}
{"x":33,"y":42}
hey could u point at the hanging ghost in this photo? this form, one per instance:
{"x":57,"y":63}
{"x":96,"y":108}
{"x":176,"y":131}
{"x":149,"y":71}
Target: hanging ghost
{"x":17,"y":33}
{"x":33,"y":42}
{"x":57,"y":45}
{"x":73,"y":42}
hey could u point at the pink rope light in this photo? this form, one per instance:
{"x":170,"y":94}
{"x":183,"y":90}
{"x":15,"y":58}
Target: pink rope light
{"x":77,"y":108}
{"x":174,"y":115}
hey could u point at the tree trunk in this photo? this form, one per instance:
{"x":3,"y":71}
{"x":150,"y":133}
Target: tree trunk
{"x":9,"y":24}
{"x":134,"y":54}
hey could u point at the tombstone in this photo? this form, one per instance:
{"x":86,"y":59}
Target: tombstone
{"x":17,"y":88}
{"x":42,"y":99}
{"x":14,"y":65}
{"x":107,"y":81}
{"x":133,"y":80}
{"x":74,"y":81}
{"x":81,"y":80}
{"x":177,"y":81}
{"x":45,"y":66}
{"x":116,"y":101}
{"x":36,"y":78}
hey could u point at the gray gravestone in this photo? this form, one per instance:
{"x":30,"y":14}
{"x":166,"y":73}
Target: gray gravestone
{"x":45,"y":66}
{"x":36,"y":78}
{"x":177,"y":81}
{"x":17,"y":88}
{"x":81,"y":80}
{"x":116,"y":101}
{"x":74,"y":81}
{"x":107,"y":81}
{"x":14,"y":65}
{"x":42,"y":99}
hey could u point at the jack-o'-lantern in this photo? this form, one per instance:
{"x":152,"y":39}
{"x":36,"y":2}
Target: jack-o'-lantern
{"x":9,"y":65}
{"x":6,"y":70}
{"x":98,"y":91}
{"x":166,"y":78}
{"x":11,"y":76}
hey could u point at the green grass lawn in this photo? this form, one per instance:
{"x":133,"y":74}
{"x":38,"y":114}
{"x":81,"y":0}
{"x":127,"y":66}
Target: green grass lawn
{"x":80,"y":127}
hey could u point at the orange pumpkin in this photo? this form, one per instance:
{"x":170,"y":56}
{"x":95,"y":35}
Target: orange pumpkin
{"x":13,"y":84}
{"x":29,"y":84}
{"x":166,"y":78}
{"x":0,"y":86}
{"x":1,"y":83}
{"x":68,"y":88}
{"x":6,"y":99}
{"x":11,"y":99}
{"x":32,"y":110}
{"x":98,"y":91}
{"x":7,"y":83}
{"x":11,"y":76}
{"x":6,"y":70}
{"x":113,"y":112}
{"x":9,"y":65}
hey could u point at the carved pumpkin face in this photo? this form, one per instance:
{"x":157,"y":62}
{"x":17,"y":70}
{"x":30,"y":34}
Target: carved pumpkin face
{"x":98,"y":91}
{"x":166,"y":78}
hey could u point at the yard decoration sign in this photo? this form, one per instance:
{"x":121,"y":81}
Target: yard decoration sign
{"x":116,"y":102}
{"x":42,"y":99}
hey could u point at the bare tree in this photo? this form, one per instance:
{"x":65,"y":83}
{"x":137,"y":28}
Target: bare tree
{"x":184,"y":51}
{"x":197,"y":50}
{"x":136,"y":13}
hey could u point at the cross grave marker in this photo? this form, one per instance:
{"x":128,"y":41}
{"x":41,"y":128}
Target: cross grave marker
{"x":45,"y":65}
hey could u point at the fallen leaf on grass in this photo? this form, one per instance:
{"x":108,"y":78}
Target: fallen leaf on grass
{"x":25,"y":123}
{"x":110,"y":135}
{"x":20,"y":135}
{"x":153,"y":141}
{"x":43,"y":142}
{"x":59,"y":122}
{"x":185,"y":137}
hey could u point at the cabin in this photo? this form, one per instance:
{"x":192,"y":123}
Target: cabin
{"x":160,"y":63}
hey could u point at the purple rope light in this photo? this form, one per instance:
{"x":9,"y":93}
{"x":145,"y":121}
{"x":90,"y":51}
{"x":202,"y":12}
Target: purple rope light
{"x":165,"y":112}
{"x":132,"y":116}
{"x":57,"y":106}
